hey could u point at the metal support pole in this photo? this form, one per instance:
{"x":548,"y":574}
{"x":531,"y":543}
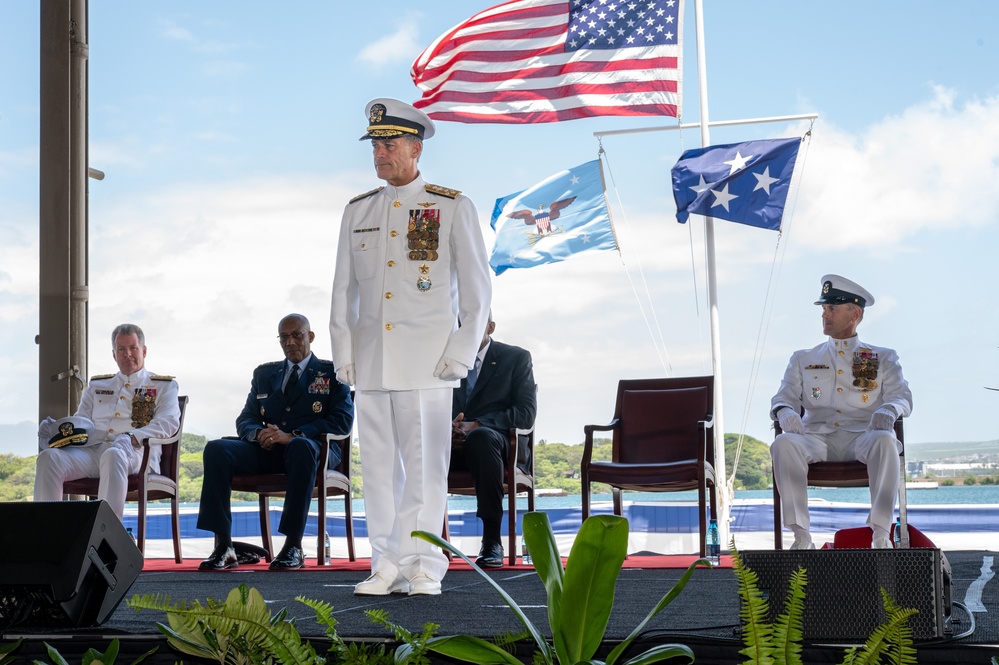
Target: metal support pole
{"x":62,"y":336}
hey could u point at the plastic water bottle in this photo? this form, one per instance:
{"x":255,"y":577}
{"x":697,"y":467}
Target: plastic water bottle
{"x":131,"y":535}
{"x":525,"y":556}
{"x":326,"y":548}
{"x":897,"y":536}
{"x":714,"y":544}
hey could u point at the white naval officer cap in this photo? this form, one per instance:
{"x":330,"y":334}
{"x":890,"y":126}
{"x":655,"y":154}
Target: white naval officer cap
{"x":71,"y":431}
{"x":837,"y":290}
{"x":390,"y":118}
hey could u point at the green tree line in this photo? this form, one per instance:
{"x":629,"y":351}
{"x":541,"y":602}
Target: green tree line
{"x":556,"y":466}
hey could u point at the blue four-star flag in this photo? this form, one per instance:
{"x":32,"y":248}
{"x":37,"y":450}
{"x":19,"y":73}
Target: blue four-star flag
{"x":740,"y":182}
{"x":562,"y":215}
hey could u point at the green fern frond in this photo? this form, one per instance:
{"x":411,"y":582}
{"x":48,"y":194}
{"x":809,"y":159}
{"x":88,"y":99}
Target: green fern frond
{"x":239,"y":629}
{"x":753,"y":610}
{"x":892,"y":640}
{"x":324,"y":617}
{"x":788,"y":630}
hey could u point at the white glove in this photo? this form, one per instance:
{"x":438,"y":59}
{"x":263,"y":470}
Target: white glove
{"x":345,"y":375}
{"x":790,"y":421}
{"x":883,"y":419}
{"x":46,"y":430}
{"x":449,"y":369}
{"x":123,"y":442}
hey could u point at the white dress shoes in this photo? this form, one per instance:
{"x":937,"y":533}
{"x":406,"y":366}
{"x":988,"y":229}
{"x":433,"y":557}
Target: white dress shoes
{"x":424,"y":585}
{"x":803,"y":543}
{"x":380,"y":585}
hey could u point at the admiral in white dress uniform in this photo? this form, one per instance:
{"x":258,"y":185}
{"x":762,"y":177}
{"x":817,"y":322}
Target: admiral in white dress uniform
{"x":851,"y":393}
{"x":124,"y":408}
{"x":411,"y":263}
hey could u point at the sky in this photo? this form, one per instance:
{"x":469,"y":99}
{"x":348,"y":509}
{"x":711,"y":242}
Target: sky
{"x":228,"y":133}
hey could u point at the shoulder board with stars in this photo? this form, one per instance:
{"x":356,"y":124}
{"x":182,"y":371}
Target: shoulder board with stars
{"x":365,"y":195}
{"x":443,"y":191}
{"x":161,"y":377}
{"x":101,"y":377}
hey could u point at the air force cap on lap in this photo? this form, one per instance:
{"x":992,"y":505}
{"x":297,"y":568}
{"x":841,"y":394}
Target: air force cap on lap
{"x":390,"y":118}
{"x":838,"y":290}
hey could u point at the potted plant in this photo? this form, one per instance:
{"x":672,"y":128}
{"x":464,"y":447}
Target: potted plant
{"x":580,"y":599}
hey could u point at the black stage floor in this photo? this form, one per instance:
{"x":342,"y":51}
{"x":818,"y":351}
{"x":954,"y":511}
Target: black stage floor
{"x":705,"y":616}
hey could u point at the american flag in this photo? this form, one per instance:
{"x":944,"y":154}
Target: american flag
{"x":529,"y":61}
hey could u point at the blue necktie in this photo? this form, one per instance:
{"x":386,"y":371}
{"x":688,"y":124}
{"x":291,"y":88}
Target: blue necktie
{"x":473,"y":374}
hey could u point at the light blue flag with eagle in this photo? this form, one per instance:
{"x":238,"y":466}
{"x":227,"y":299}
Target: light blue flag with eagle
{"x":562,"y":215}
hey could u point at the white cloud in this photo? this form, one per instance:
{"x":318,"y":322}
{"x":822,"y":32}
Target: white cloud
{"x":933,"y":167}
{"x":402,"y":45}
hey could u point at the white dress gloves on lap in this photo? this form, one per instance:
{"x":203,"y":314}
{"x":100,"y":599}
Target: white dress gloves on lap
{"x":790,"y":421}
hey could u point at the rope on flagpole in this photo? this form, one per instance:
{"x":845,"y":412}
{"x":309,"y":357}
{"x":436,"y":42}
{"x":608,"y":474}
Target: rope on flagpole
{"x":776,"y":267}
{"x":655,"y":331}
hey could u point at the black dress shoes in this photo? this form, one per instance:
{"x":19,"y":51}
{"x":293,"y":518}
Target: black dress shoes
{"x":490,"y":555}
{"x":289,"y":558}
{"x":222,"y":557}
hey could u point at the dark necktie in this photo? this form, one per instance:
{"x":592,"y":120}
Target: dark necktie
{"x":289,"y":388}
{"x":473,"y":375}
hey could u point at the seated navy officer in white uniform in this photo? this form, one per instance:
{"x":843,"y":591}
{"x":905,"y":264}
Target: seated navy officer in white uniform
{"x":851,"y":393}
{"x":124,"y":408}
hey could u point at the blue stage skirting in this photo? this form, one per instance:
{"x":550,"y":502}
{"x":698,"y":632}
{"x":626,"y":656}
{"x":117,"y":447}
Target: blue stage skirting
{"x":646,"y":517}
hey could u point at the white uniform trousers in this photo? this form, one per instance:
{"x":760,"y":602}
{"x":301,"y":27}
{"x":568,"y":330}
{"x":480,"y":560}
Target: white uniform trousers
{"x":111,"y":462}
{"x":405,"y":442}
{"x":879,"y":449}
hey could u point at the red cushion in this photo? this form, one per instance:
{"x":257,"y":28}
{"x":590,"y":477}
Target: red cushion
{"x":861,"y":537}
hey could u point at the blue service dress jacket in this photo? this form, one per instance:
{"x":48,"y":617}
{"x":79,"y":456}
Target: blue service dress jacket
{"x":319,"y":405}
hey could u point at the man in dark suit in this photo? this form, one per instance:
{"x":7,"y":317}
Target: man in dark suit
{"x":498,"y":394}
{"x":292,"y":405}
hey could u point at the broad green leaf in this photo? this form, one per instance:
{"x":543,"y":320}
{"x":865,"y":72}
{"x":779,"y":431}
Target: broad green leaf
{"x":473,"y":650}
{"x":591,"y":574}
{"x":660,"y":653}
{"x":541,"y":544}
{"x":536,"y":635}
{"x":666,"y":600}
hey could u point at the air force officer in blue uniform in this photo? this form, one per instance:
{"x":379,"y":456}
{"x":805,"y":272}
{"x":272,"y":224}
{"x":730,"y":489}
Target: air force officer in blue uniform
{"x":291,"y":407}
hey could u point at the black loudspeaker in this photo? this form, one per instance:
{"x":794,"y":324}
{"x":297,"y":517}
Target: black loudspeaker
{"x":63,"y":563}
{"x":843,"y":592}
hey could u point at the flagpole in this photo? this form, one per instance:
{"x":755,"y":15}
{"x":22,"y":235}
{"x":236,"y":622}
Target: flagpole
{"x":721,"y":475}
{"x":715,"y":123}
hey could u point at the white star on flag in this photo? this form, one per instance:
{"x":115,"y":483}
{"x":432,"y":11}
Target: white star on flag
{"x":763,"y":180}
{"x":722,"y":197}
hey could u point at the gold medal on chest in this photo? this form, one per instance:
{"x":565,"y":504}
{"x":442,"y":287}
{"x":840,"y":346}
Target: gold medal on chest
{"x":423,"y":282}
